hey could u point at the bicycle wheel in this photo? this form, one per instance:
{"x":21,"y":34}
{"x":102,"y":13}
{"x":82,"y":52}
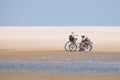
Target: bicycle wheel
{"x":88,"y":47}
{"x":66,"y":46}
{"x":91,"y":46}
{"x":72,"y":47}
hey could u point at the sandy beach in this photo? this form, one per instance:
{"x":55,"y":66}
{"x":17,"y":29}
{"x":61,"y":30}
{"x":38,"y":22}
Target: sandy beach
{"x":58,"y":56}
{"x":56,"y":76}
{"x":46,"y":44}
{"x":105,"y":39}
{"x":53,"y":56}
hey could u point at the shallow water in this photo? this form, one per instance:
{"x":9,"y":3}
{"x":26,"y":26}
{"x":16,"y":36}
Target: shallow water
{"x":68,"y":67}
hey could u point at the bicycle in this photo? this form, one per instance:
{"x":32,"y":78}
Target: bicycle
{"x":73,"y":46}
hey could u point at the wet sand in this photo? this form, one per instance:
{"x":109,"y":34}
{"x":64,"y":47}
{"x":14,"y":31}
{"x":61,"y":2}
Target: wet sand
{"x":57,"y":56}
{"x":55,"y":76}
{"x":47,"y":45}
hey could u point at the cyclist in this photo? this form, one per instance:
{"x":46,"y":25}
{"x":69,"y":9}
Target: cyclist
{"x":84,"y":41}
{"x":72,"y":37}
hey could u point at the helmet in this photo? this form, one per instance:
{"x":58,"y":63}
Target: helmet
{"x":82,"y":36}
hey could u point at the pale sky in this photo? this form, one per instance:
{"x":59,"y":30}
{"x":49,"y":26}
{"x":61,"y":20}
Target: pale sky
{"x":59,"y":12}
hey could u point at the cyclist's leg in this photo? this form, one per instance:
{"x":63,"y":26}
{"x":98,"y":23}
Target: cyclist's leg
{"x":81,"y":47}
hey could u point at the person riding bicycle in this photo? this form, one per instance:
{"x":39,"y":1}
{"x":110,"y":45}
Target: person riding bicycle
{"x":72,"y":37}
{"x":84,"y":41}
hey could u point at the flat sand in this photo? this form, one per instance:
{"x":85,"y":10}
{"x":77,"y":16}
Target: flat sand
{"x":56,"y":76}
{"x":60,"y":56}
{"x":104,"y":39}
{"x":34,"y":44}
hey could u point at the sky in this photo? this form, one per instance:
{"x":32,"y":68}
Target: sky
{"x":59,"y":12}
